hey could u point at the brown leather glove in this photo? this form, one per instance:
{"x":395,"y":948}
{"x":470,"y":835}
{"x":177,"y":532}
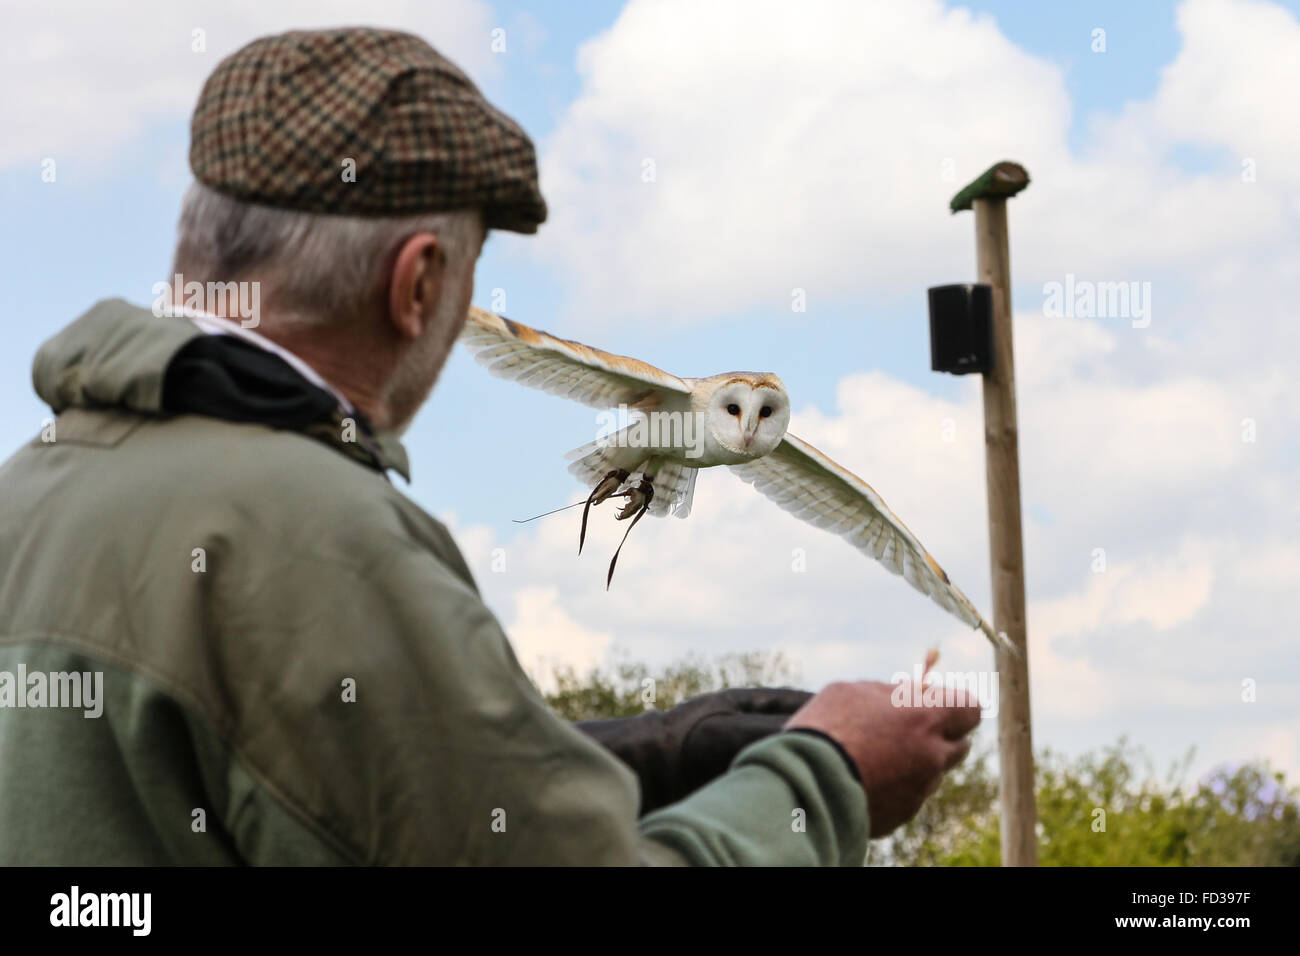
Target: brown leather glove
{"x":675,"y":752}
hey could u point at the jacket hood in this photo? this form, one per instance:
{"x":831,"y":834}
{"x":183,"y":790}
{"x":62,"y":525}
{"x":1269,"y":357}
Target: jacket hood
{"x":114,"y":356}
{"x":119,"y":355}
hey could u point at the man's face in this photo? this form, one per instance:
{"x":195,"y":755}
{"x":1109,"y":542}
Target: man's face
{"x":418,"y":371}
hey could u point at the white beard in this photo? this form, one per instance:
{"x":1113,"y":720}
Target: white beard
{"x":413,"y":381}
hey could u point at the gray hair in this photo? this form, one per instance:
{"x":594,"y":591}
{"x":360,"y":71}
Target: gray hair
{"x":313,"y":268}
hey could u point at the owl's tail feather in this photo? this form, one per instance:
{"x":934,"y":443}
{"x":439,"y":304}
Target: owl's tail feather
{"x":596,"y":459}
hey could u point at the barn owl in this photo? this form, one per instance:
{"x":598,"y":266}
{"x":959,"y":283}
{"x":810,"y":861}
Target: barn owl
{"x":680,"y":425}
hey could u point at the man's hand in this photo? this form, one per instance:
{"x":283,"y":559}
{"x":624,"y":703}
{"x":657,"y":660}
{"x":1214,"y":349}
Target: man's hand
{"x":675,"y":752}
{"x":900,"y":752}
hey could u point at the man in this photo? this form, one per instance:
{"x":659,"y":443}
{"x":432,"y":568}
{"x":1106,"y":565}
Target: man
{"x":229,"y":639}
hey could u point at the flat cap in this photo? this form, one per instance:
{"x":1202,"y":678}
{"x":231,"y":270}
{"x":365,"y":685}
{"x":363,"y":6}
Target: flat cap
{"x":359,"y":121}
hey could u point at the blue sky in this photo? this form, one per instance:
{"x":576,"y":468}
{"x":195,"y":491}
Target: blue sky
{"x":1131,"y":187}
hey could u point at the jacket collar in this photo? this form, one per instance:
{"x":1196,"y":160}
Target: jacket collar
{"x":120,"y":355}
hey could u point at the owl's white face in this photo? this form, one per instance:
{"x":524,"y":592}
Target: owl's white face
{"x":746,"y":421}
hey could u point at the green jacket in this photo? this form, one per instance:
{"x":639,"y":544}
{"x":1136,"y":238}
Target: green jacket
{"x":296,"y":665}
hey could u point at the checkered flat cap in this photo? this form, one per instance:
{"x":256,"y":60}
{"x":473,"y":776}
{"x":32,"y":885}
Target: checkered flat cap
{"x":360,"y":121}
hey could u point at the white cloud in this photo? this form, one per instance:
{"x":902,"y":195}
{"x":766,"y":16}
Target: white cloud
{"x":1280,"y":744}
{"x":806,"y":145}
{"x":1230,"y":85}
{"x":546,"y":637}
{"x":779,"y":133}
{"x":84,"y":77}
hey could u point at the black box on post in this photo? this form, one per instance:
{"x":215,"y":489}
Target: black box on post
{"x":961,"y":328}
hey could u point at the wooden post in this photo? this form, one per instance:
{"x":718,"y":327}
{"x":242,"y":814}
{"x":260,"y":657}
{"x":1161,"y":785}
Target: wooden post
{"x":988,"y":196}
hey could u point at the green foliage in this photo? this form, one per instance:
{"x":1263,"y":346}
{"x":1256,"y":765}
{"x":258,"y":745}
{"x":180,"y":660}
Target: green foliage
{"x":626,"y":688}
{"x":1236,"y":816}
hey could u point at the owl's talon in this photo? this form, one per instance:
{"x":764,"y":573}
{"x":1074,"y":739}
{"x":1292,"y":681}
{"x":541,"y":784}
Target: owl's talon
{"x":605,"y":488}
{"x":608,"y":485}
{"x":639,"y":498}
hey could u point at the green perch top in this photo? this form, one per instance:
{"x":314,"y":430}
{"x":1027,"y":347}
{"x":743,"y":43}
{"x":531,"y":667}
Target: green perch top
{"x":999,"y":180}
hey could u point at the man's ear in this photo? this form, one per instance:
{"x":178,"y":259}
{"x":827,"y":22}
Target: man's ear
{"x":415,"y":283}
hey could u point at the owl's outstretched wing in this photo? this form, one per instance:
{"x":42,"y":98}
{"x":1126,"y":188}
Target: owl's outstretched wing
{"x":810,"y":486}
{"x":565,"y":368}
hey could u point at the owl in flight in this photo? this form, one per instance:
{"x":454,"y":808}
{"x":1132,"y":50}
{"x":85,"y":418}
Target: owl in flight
{"x":738,"y":419}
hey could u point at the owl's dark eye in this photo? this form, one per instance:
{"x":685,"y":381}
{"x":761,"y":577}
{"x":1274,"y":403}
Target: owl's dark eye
{"x":765,"y":411}
{"x":733,"y":409}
